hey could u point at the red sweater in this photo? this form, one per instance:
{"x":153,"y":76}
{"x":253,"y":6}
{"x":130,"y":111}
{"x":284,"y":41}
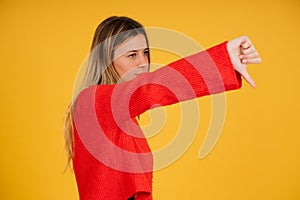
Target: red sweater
{"x":112,"y":159}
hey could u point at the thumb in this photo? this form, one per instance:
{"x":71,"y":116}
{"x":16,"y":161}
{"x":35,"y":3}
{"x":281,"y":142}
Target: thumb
{"x":248,"y":78}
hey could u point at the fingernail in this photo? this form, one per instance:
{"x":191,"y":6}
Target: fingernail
{"x":244,"y":61}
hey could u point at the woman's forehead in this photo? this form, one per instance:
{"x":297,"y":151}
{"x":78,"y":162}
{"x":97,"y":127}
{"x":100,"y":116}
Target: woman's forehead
{"x":136,"y":43}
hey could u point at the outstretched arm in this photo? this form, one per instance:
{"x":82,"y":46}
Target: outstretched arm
{"x":209,"y":72}
{"x":213,"y":71}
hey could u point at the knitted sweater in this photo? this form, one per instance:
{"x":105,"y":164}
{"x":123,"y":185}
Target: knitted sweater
{"x":112,"y":159}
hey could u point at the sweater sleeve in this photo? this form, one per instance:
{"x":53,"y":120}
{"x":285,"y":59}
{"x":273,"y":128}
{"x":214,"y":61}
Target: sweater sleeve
{"x":204,"y":73}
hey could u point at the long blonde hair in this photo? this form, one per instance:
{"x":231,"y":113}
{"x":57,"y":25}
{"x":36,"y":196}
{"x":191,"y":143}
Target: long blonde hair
{"x":109,"y":34}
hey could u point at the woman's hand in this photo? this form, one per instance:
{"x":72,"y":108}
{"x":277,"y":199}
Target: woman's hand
{"x":242,"y":53}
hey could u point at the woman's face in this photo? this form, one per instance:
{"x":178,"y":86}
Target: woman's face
{"x":131,"y":58}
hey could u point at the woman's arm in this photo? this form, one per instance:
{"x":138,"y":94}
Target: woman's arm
{"x":208,"y":72}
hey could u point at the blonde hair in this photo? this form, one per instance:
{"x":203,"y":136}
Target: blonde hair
{"x":109,"y":34}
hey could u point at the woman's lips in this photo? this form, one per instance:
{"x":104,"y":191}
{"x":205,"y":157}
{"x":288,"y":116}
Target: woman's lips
{"x":138,"y":73}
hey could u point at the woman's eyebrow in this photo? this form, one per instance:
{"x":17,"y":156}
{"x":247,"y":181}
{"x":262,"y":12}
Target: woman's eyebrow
{"x":136,"y":50}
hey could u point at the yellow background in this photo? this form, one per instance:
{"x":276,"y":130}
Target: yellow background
{"x":43,"y":43}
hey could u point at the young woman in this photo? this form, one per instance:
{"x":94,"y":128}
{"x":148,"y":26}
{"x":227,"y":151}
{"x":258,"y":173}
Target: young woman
{"x":111,"y":157}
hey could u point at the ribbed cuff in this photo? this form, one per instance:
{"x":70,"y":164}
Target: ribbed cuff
{"x":231,"y":78}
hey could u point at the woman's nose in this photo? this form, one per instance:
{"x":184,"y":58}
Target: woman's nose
{"x":142,"y":61}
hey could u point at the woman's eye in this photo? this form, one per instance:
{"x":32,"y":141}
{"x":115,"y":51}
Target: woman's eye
{"x":132,"y":55}
{"x":146,"y":52}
